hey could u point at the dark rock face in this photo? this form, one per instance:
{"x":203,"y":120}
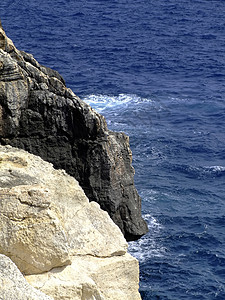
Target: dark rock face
{"x":39,"y":114}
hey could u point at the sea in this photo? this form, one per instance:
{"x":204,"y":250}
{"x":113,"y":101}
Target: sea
{"x":156,"y":71}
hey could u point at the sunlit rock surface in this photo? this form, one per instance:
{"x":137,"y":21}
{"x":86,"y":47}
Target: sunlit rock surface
{"x":67,"y":246}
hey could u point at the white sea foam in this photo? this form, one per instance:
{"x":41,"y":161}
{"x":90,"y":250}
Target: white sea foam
{"x":203,"y":171}
{"x":212,"y":170}
{"x":216,"y":168}
{"x":149,"y":245}
{"x":102,"y":102}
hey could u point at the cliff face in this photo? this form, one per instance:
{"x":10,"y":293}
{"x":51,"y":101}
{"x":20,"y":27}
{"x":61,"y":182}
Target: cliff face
{"x":39,"y":114}
{"x":67,"y":247}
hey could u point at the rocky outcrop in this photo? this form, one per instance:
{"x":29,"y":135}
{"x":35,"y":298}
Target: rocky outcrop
{"x":37,"y":200}
{"x":14,"y":286}
{"x":98,"y":278}
{"x":67,"y":247}
{"x":39,"y":114}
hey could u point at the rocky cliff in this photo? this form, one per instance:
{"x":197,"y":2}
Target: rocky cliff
{"x":39,"y":114}
{"x":66,"y":246}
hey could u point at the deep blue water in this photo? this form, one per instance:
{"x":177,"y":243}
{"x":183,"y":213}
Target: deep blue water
{"x":156,"y":70}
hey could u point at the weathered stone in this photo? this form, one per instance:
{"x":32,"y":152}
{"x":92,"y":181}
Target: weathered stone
{"x":88,"y":277}
{"x":67,"y":246}
{"x":39,"y":114}
{"x":14,"y":286}
{"x":46,"y":217}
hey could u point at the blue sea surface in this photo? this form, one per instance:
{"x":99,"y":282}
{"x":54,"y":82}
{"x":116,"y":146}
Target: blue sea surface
{"x":155,"y":70}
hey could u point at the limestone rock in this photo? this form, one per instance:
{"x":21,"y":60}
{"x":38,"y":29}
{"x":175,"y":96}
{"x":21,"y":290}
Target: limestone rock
{"x":46,"y":218}
{"x":88,"y":277}
{"x":67,"y":246}
{"x":14,"y":286}
{"x":39,"y":114}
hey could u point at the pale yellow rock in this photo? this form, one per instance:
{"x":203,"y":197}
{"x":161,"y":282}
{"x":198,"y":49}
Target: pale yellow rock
{"x":67,"y":247}
{"x":46,"y":217}
{"x":14,"y":286}
{"x":91,"y":278}
{"x":31,"y":233}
